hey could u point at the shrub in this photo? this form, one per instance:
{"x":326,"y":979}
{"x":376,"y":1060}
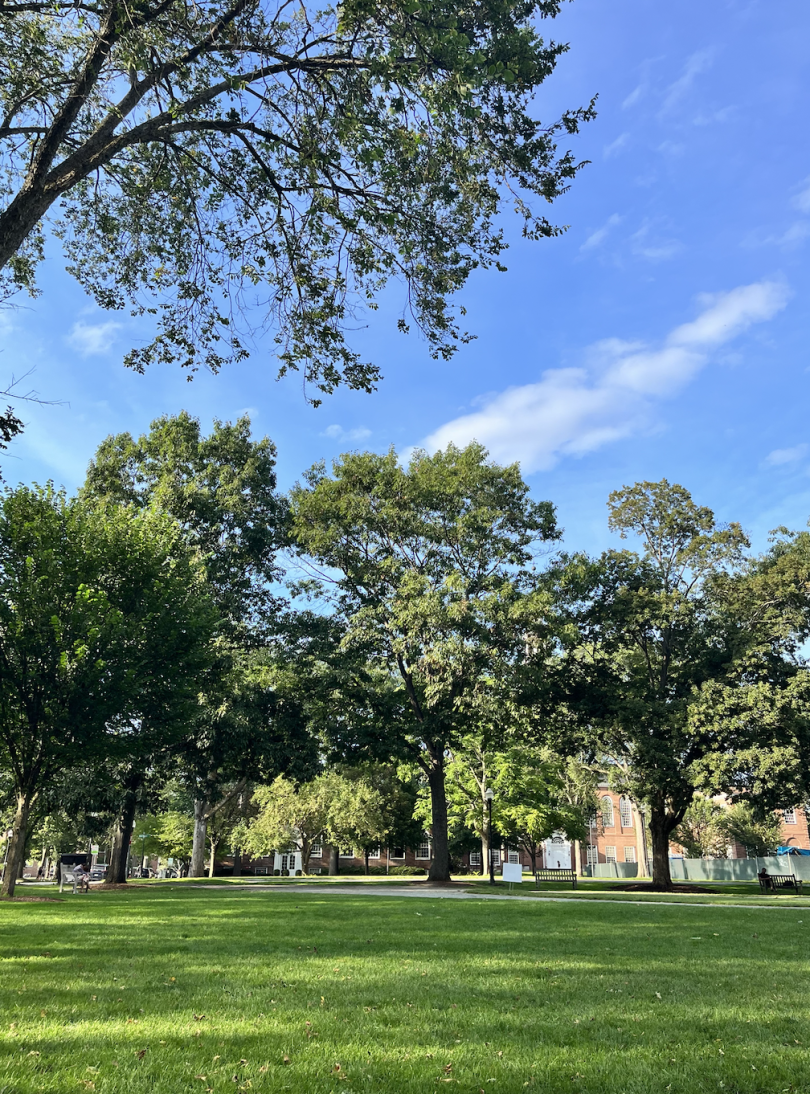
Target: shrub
{"x":408,"y":871}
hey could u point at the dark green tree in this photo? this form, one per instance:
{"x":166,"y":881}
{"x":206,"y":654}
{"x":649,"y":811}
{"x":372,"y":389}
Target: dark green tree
{"x":201,"y":162}
{"x":105,"y":624}
{"x":430,"y":560}
{"x":681,"y":660}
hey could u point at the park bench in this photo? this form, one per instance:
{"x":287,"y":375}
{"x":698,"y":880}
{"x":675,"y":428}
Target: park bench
{"x":554,"y":875}
{"x":67,"y":877}
{"x":780,"y":881}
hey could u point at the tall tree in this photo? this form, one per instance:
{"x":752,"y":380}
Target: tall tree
{"x":430,"y":560}
{"x":222,"y":490}
{"x":197,"y":158}
{"x":681,"y":659}
{"x":104,"y":624}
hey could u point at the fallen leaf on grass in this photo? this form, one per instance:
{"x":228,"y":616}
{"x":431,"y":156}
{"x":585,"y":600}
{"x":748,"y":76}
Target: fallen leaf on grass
{"x":203,"y":1077}
{"x":199,"y":1017}
{"x":141,"y":1054}
{"x":286,"y":1060}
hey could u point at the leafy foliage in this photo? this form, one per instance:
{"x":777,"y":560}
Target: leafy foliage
{"x":204,"y":161}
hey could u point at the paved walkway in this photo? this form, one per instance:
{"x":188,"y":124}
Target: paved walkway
{"x":461,"y":894}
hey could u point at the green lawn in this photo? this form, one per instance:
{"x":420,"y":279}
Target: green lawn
{"x":174,"y":988}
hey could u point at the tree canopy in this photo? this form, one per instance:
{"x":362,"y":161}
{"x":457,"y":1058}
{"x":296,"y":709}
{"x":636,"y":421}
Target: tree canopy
{"x":250,"y":156}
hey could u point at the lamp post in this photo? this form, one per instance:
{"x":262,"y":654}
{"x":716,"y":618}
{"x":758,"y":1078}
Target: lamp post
{"x":489,"y":795}
{"x":143,"y":837}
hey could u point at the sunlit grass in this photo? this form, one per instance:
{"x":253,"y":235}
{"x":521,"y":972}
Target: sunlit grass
{"x":176,"y":988}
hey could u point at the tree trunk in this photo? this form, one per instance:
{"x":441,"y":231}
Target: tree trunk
{"x":485,"y":834}
{"x":16,"y":849}
{"x":237,"y":862}
{"x":334,"y":862}
{"x":660,"y":829}
{"x":365,"y":862}
{"x":200,"y":838}
{"x":116,"y":873}
{"x":577,"y":858}
{"x":440,"y":864}
{"x":212,"y":858}
{"x":533,"y":857}
{"x":641,"y":843}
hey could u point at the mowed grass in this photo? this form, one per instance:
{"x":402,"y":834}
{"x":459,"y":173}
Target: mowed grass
{"x":171,"y":989}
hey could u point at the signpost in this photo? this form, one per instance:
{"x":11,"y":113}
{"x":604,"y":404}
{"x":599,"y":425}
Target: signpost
{"x":511,"y":872}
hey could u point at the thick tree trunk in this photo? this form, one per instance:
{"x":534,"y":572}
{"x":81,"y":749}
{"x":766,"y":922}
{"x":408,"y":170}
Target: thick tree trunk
{"x":365,"y":863}
{"x":200,"y":836}
{"x":660,"y":829}
{"x":440,"y":865}
{"x":16,"y":849}
{"x":116,"y":873}
{"x":577,"y":858}
{"x":237,"y":862}
{"x":212,"y":859}
{"x":334,"y":862}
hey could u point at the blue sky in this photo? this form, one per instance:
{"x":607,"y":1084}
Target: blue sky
{"x":665,"y":334}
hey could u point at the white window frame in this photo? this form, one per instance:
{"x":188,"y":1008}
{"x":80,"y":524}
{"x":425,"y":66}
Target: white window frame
{"x":625,"y":812}
{"x":475,"y":858}
{"x":423,"y":850}
{"x":608,"y":812}
{"x":374,"y":852}
{"x":610,"y":854}
{"x":394,"y":852}
{"x":315,"y":849}
{"x":789,"y":816}
{"x":593,"y":820}
{"x":496,"y":857}
{"x":513,"y":856}
{"x":629,"y":854}
{"x":346,"y":853}
{"x":592,"y":855}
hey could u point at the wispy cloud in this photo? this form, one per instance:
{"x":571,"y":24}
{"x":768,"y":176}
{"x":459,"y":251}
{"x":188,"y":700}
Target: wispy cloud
{"x":616,"y":146}
{"x":599,"y":236}
{"x":572,"y":411}
{"x":697,"y":64}
{"x":650,"y":244}
{"x":91,"y":339}
{"x":781,"y":456}
{"x":338,"y":433}
{"x":635,"y":96}
{"x":801,"y":201}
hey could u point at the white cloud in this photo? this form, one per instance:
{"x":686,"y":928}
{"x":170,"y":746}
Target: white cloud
{"x":600,"y":234}
{"x":802,"y":200}
{"x":698,"y":63}
{"x":616,"y":146}
{"x":781,"y":456}
{"x":572,"y":411}
{"x":646,"y":243}
{"x":634,"y":96}
{"x":338,"y":433}
{"x":90,"y":339}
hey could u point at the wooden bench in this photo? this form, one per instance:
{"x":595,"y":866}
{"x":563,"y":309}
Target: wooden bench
{"x":780,"y":881}
{"x":554,"y":875}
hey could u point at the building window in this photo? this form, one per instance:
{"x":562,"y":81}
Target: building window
{"x":496,"y":858}
{"x":316,"y":850}
{"x":347,"y":852}
{"x":610,"y":854}
{"x":593,"y":855}
{"x":423,"y":849}
{"x":475,"y":858}
{"x":398,"y":852}
{"x":374,"y":852}
{"x":607,"y":812}
{"x":513,"y":856}
{"x":593,"y":820}
{"x":629,"y":854}
{"x":789,"y":816}
{"x":625,"y":813}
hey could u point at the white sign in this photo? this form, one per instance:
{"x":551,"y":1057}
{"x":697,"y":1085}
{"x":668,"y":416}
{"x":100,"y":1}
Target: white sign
{"x":93,"y":848}
{"x":512,"y":871}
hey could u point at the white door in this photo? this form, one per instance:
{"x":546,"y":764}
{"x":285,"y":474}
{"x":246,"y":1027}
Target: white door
{"x":558,"y":853}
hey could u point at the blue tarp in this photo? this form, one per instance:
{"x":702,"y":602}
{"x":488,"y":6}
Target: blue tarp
{"x":792,"y":851}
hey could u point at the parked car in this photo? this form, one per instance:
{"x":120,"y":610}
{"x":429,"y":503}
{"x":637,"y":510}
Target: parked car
{"x":98,"y":872}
